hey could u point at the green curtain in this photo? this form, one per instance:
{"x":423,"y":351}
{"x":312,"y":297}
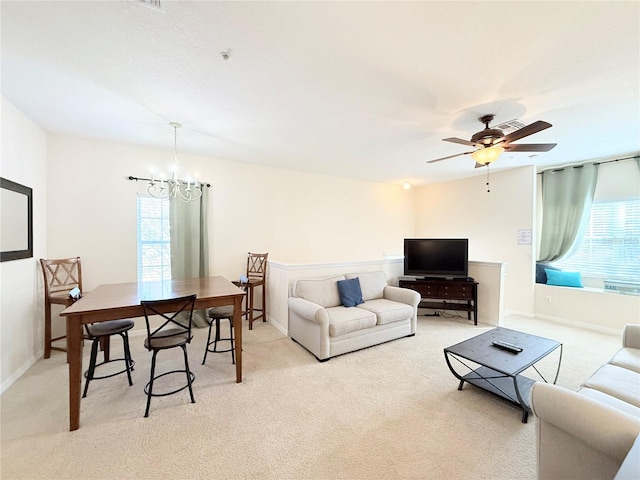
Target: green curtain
{"x":567,"y":196}
{"x":190,"y":243}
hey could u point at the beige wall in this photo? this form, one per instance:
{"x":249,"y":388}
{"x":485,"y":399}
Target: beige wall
{"x":21,"y":313}
{"x":491,"y":221}
{"x":84,"y":205}
{"x":295,"y":216}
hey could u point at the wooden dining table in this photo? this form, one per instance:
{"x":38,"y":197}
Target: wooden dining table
{"x":122,"y":300}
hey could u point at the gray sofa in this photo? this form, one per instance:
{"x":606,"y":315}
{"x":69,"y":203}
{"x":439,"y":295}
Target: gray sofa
{"x":588,"y":433}
{"x":319,"y":322}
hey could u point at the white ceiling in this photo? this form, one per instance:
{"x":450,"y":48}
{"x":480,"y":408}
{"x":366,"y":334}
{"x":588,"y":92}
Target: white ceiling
{"x":358,"y":89}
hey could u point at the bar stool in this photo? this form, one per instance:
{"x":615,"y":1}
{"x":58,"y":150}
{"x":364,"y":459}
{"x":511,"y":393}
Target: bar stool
{"x":216,"y":315}
{"x":101,"y":331}
{"x":176,"y":317}
{"x":256,"y":277}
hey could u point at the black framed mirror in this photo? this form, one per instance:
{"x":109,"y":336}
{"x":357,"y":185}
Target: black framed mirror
{"x":16,"y":221}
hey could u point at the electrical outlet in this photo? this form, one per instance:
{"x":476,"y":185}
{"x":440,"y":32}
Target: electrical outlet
{"x":548,"y":298}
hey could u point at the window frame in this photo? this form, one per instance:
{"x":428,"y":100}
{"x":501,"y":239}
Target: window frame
{"x":164,"y":243}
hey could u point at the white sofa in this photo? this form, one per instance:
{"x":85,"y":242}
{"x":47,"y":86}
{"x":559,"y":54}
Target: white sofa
{"x":320,"y":323}
{"x":588,"y":433}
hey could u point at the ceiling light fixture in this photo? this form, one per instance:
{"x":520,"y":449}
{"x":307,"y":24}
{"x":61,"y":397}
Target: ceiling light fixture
{"x":485,"y":156}
{"x":406,"y":185}
{"x":186,"y":190}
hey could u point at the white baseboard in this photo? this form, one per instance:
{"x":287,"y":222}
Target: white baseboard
{"x":583,"y":325}
{"x":20,"y":371}
{"x":508,"y":313}
{"x":278,"y":327}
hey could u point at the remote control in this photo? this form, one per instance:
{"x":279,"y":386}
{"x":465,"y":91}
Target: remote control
{"x":507,"y":346}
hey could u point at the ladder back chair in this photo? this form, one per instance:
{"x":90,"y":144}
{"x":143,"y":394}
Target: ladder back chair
{"x":256,"y":277}
{"x":174,"y":331}
{"x":60,"y":277}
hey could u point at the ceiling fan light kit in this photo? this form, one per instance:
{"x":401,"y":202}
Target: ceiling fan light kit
{"x":485,"y":156}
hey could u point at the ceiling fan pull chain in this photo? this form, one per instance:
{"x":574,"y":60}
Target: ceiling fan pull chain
{"x":488,"y":189}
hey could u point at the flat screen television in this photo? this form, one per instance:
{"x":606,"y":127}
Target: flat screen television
{"x":436,"y":257}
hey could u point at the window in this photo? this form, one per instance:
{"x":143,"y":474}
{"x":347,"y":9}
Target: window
{"x":154,"y":253}
{"x":610,"y":249}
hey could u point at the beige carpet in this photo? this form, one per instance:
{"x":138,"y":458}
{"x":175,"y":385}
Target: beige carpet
{"x":391,"y":411}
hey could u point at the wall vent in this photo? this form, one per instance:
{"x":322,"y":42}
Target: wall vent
{"x":510,"y":126}
{"x":157,"y":5}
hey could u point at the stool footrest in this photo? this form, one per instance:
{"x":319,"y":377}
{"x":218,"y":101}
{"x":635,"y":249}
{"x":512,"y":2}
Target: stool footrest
{"x":146,"y":387}
{"x":131,"y":365}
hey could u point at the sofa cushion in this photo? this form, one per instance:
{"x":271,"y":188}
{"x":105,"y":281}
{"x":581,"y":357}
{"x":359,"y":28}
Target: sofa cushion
{"x":350,"y":292}
{"x":611,"y":401}
{"x":322,"y":291}
{"x":345,"y":320}
{"x":371,"y":283}
{"x":617,"y":382}
{"x":387,"y":311}
{"x":628,"y":358}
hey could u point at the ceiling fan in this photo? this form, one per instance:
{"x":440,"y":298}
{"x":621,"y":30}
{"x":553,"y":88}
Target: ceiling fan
{"x":490,"y":143}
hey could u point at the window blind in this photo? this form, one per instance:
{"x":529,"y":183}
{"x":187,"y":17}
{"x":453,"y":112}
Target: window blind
{"x":154,"y":252}
{"x":610,"y":249}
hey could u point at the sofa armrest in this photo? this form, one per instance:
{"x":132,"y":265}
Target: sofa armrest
{"x":578,"y":436}
{"x":307,"y":310}
{"x":631,"y":335}
{"x":402,"y":295}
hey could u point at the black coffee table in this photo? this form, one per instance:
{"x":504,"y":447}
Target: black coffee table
{"x":497,"y":370}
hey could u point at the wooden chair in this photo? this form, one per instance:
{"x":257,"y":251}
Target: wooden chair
{"x":60,"y":277}
{"x":256,"y":277}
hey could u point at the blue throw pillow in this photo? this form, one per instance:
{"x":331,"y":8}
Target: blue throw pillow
{"x":563,"y":279}
{"x":350,"y":292}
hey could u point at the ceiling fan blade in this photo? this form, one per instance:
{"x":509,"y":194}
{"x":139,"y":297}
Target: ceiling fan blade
{"x":460,"y":141}
{"x":529,"y":147}
{"x":535,"y":127}
{"x":450,"y":156}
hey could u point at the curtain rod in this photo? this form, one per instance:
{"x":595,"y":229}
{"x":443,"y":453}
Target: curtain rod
{"x":157,"y":180}
{"x":580,"y":165}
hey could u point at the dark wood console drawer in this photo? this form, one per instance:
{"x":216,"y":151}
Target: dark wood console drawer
{"x":457,"y":290}
{"x":425,"y":289}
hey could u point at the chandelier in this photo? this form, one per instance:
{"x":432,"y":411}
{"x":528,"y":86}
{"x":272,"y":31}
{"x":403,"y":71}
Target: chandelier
{"x":172,"y":187}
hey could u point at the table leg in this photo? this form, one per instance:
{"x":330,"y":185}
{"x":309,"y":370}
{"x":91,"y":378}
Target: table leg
{"x":521,"y":402}
{"x":74,"y":355}
{"x":47,"y":329}
{"x":250,"y":309}
{"x":237,"y":326}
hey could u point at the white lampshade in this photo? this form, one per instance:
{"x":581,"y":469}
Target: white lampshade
{"x":487,"y":155}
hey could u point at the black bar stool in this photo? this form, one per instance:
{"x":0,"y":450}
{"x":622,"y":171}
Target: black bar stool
{"x":96,"y":332}
{"x":216,"y":315}
{"x":176,"y":315}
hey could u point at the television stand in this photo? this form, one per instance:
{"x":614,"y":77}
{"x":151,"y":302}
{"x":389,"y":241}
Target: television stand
{"x":442,"y":294}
